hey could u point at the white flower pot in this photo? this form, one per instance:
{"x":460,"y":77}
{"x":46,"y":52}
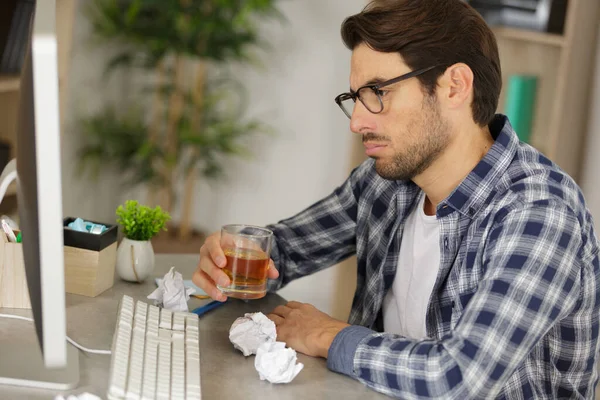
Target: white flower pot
{"x":135,"y":260}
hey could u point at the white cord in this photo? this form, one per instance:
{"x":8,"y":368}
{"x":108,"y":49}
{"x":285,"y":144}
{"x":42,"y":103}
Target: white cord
{"x":80,"y":347}
{"x":9,"y":174}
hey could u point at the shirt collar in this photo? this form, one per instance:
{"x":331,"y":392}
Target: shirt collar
{"x":475,"y":190}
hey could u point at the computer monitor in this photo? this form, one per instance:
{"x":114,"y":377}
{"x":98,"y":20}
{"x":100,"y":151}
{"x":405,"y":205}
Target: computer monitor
{"x":53,"y":364}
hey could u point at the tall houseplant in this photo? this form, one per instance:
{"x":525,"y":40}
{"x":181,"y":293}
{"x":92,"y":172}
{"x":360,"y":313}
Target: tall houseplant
{"x":193,"y":122}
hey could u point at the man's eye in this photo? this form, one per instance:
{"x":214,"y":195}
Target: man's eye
{"x":381,"y":93}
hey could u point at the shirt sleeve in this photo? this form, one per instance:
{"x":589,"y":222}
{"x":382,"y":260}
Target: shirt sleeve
{"x":321,"y":235}
{"x":532,"y":280}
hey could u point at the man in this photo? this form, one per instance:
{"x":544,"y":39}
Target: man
{"x":478,"y":269}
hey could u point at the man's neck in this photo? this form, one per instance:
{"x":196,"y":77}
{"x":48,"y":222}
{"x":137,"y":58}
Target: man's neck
{"x":454,"y":164}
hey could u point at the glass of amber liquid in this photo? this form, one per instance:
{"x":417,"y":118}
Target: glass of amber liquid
{"x":247,"y":249}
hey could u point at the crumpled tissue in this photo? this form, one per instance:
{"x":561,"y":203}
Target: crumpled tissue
{"x":276,"y":363}
{"x":172,"y":294}
{"x":77,"y":225}
{"x":247,"y":333}
{"x":82,"y":396}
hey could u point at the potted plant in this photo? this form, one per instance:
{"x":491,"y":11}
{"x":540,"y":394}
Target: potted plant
{"x":188,"y":114}
{"x":139,"y":224}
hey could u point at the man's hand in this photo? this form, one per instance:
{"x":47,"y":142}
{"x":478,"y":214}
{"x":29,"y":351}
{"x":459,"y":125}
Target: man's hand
{"x":212,"y":261}
{"x":305,"y":329}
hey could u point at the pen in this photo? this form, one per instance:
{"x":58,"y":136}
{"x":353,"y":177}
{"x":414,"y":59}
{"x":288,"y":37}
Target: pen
{"x":207,"y":307}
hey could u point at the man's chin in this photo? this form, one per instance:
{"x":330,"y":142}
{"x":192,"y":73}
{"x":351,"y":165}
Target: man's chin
{"x":386,"y":172}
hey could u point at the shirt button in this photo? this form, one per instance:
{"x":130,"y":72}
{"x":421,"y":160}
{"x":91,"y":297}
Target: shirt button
{"x":446,"y":243}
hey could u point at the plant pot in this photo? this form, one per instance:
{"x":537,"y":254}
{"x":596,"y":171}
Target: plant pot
{"x":135,"y":260}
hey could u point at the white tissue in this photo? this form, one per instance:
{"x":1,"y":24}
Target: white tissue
{"x":172,"y":294}
{"x":82,"y":396}
{"x":276,"y":363}
{"x":247,"y":333}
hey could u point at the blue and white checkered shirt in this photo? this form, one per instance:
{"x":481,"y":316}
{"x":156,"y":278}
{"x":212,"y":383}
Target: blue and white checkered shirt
{"x":514,"y":312}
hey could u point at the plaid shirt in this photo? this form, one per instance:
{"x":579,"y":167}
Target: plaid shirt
{"x":514,"y":312}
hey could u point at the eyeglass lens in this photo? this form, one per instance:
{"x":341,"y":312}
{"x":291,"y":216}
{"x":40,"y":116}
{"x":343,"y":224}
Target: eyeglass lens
{"x":368,"y":97}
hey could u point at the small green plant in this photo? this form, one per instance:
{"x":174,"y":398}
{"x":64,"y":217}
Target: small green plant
{"x":141,"y":222}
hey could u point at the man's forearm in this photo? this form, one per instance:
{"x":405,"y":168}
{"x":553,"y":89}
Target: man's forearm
{"x":340,"y":357}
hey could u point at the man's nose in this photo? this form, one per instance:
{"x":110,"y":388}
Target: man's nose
{"x":362,"y":119}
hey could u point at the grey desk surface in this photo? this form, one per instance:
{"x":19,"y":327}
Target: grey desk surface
{"x":225,"y":372}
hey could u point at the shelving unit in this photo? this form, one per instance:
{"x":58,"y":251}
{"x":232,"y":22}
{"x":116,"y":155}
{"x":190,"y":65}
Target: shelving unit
{"x":550,"y":39}
{"x":563,"y":65}
{"x":10,"y":85}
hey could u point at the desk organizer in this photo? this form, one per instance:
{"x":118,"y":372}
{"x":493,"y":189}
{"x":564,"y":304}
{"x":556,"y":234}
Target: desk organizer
{"x":13,"y":281}
{"x":89,"y":259}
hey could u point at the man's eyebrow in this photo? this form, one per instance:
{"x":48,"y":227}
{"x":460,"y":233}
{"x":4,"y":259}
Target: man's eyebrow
{"x":372,"y":81}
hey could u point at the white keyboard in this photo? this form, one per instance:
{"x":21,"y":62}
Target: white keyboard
{"x":155,"y":354}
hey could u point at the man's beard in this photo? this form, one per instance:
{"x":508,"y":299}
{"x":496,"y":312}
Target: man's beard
{"x":432,"y":132}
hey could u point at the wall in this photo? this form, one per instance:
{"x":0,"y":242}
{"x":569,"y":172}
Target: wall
{"x":310,"y":154}
{"x":589,"y":182}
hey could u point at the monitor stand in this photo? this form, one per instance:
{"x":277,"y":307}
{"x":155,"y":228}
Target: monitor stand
{"x":21,"y":364}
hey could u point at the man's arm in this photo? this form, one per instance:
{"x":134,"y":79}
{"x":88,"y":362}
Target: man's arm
{"x":532,"y":280}
{"x":320,"y":236}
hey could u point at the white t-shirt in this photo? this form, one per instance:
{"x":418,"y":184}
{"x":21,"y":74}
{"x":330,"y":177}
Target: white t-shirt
{"x":405,"y":304}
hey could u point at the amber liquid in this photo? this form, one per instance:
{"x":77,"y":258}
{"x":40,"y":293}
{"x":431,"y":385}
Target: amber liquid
{"x":247,"y":270}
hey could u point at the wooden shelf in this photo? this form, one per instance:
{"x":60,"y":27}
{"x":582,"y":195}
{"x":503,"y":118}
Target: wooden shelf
{"x":9,"y":83}
{"x":549,"y":39}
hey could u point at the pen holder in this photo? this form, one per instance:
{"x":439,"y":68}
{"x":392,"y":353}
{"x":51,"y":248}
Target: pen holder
{"x":90,"y":259}
{"x":13,"y":281}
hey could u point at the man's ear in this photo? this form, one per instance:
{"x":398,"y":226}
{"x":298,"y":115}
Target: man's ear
{"x":457,"y":83}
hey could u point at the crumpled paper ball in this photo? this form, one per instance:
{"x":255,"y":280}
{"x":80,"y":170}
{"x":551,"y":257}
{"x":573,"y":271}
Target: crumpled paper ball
{"x":172,"y":294}
{"x":276,"y":363}
{"x":247,"y":333}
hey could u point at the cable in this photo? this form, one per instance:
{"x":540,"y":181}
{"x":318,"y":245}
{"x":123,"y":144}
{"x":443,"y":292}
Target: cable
{"x":80,"y":347}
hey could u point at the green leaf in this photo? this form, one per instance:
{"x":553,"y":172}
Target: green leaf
{"x":140,"y":222}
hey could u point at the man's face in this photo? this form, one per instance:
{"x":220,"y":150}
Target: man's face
{"x":410,"y":132}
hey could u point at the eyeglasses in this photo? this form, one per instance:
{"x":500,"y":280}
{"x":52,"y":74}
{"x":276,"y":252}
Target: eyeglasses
{"x":370,"y":95}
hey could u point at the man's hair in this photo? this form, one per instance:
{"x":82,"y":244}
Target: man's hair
{"x":433,"y":33}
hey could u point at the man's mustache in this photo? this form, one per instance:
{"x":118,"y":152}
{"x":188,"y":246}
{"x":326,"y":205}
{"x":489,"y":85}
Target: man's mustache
{"x":372,"y":137}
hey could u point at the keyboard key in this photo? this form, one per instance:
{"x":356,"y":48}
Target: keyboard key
{"x":166,"y":317}
{"x":178,"y":321}
{"x":150,"y":362}
{"x":178,"y":367}
{"x":192,"y":387}
{"x":191,"y":323}
{"x":134,"y":382}
{"x":120,"y":359}
{"x":163,"y":384}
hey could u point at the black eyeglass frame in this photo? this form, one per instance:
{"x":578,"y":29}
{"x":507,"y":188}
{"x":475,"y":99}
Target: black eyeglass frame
{"x":375,"y":87}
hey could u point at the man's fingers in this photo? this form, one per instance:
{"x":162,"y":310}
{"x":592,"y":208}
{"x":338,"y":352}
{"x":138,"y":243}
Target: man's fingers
{"x":294,"y":304}
{"x":216,"y":252}
{"x":282,"y":311}
{"x":276,"y":319}
{"x":204,"y":282}
{"x":215,"y":273}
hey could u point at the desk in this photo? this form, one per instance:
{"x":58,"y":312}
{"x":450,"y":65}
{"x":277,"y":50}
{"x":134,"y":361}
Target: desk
{"x":91,"y":323}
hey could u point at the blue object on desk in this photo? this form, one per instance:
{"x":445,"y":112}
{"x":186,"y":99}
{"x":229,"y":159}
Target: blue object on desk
{"x":207,"y":307}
